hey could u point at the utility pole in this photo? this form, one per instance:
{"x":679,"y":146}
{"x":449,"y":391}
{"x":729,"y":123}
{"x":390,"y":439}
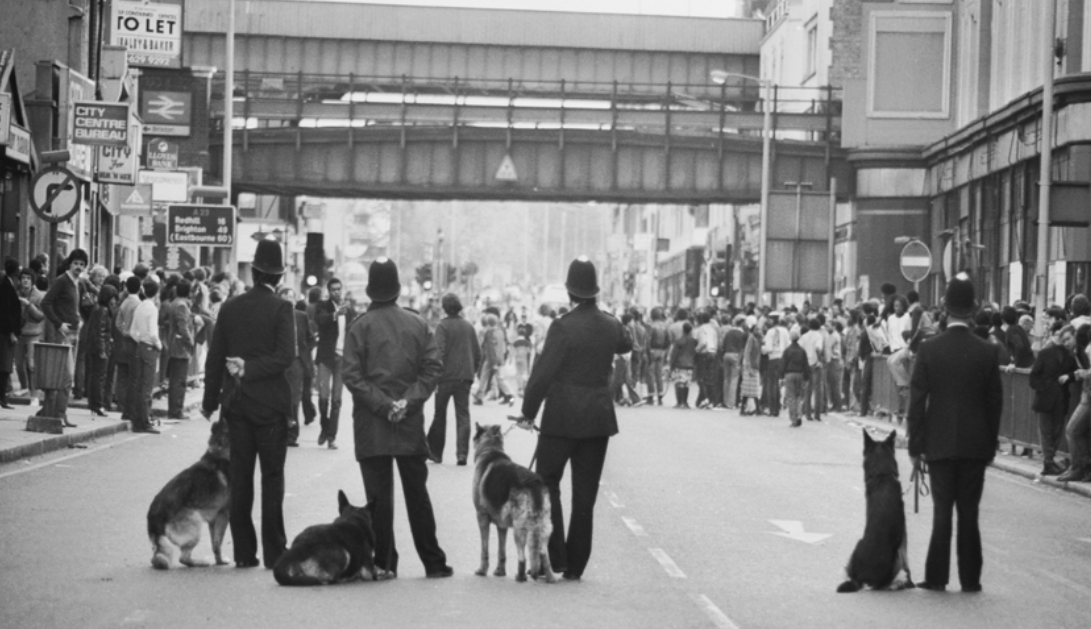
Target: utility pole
{"x":1045,"y":173}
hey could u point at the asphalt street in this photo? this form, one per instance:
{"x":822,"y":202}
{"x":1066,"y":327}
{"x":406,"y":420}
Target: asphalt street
{"x":705,"y":520}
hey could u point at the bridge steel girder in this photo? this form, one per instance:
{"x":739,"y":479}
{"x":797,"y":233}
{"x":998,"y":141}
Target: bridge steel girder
{"x":574,"y":165}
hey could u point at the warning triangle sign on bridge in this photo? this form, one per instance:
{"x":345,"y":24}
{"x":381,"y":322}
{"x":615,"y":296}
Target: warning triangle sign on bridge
{"x":135,"y":198}
{"x":506,"y":172}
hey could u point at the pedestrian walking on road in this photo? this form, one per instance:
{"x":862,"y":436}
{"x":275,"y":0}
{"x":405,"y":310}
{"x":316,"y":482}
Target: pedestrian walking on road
{"x":776,"y":340}
{"x":795,"y":371}
{"x":253,"y":345}
{"x":572,"y":379}
{"x":659,"y":344}
{"x":392,"y":365}
{"x":682,"y":361}
{"x":750,"y":384}
{"x":954,"y":423}
{"x":100,"y":346}
{"x":1053,"y":370}
{"x":333,"y":316}
{"x":144,"y":330}
{"x":461,"y":356}
{"x":495,"y":350}
{"x":11,"y":324}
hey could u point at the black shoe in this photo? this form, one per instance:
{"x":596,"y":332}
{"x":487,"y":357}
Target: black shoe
{"x":972,"y":589}
{"x":7,"y":406}
{"x":308,"y":421}
{"x":98,"y":412}
{"x":570,"y":576}
{"x":1051,"y":469}
{"x":249,"y":563}
{"x":1071,"y":475}
{"x":461,"y":462}
{"x":934,"y":587}
{"x":444,"y":572}
{"x":147,"y":429}
{"x":322,"y":438}
{"x":478,"y":402}
{"x":795,"y":424}
{"x":293,"y":444}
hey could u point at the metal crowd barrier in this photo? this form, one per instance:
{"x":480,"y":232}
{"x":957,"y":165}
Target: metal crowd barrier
{"x":1018,"y":423}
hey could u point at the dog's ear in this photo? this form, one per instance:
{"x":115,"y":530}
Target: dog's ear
{"x":869,"y":443}
{"x":478,"y":429}
{"x":342,"y":501}
{"x":891,"y":439}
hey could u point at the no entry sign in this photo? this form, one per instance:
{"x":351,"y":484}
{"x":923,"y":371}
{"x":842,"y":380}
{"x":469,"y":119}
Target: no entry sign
{"x":916,"y":261}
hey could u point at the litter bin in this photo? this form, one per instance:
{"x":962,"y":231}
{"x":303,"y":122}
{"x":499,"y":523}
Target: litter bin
{"x":51,"y":366}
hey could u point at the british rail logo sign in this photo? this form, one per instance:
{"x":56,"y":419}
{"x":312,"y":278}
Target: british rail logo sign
{"x":150,"y":31}
{"x":166,"y":113}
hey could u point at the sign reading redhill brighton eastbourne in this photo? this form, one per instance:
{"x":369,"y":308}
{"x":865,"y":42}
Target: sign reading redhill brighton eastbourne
{"x":194,"y":224}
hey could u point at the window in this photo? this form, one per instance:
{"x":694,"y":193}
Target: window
{"x":812,"y":50}
{"x":906,"y":51}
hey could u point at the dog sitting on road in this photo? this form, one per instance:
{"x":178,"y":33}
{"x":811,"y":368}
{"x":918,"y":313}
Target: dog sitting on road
{"x":511,"y":497}
{"x":331,"y":553}
{"x":880,"y":555}
{"x":198,"y":495}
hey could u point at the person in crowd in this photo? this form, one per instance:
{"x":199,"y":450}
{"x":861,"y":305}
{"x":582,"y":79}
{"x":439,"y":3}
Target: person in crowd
{"x":100,"y":345}
{"x":495,"y":351}
{"x":11,"y":325}
{"x":638,"y":358}
{"x":31,"y":332}
{"x":1081,"y":310}
{"x":40,"y":266}
{"x":795,"y":371}
{"x":659,"y":343}
{"x":954,"y":423}
{"x":705,"y":371}
{"x":850,"y":349}
{"x":815,"y":347}
{"x":523,"y":349}
{"x":253,"y":345}
{"x":61,"y":308}
{"x":578,"y":420}
{"x":868,"y":324}
{"x":835,"y":368}
{"x":776,"y":341}
{"x":461,"y":355}
{"x":300,"y":364}
{"x":1078,"y":428}
{"x":732,"y":344}
{"x":310,"y":411}
{"x":681,"y":360}
{"x":332,"y":316}
{"x":125,"y":350}
{"x":89,"y":287}
{"x":1016,"y":339}
{"x":1053,"y":369}
{"x":750,"y":383}
{"x":144,"y":331}
{"x":392,"y":364}
{"x":180,"y":345}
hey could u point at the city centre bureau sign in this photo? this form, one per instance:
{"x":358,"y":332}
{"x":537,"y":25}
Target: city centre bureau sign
{"x":198,"y":224}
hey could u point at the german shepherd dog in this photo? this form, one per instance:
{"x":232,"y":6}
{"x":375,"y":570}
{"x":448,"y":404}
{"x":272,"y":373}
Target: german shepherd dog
{"x":197,"y":495}
{"x":511,"y":497}
{"x":331,"y":553}
{"x":880,"y":555}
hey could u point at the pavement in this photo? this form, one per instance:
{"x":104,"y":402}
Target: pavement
{"x":17,"y":443}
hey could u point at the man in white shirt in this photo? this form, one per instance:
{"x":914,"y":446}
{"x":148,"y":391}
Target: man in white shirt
{"x":144,"y":331}
{"x":126,"y":350}
{"x":775,"y":342}
{"x":814,"y":396}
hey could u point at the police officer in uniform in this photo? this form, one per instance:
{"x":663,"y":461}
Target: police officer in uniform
{"x":253,"y":345}
{"x":572,"y":378}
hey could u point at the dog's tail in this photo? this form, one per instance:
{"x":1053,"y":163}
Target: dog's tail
{"x":538,"y":491}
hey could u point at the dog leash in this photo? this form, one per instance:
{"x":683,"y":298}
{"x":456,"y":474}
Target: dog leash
{"x":534,"y":427}
{"x":920,"y":485}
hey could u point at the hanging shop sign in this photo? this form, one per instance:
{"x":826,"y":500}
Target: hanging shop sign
{"x":120,"y":164}
{"x":79,"y":88}
{"x":151,"y":31}
{"x":167,"y":187}
{"x":100,"y":124}
{"x":166,"y":113}
{"x":5,"y":117}
{"x":18,"y":148}
{"x":162,"y":155}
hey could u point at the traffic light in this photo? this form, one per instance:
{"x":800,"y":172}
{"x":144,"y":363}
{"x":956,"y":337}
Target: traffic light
{"x":717,"y":279}
{"x":452,"y":274}
{"x":424,"y":276}
{"x":630,"y":282}
{"x":695,"y":257}
{"x":314,"y":261}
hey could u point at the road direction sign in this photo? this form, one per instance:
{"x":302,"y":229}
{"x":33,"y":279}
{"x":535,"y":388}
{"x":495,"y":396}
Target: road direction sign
{"x":55,"y":194}
{"x":137,"y":200}
{"x":199,"y":224}
{"x":915,"y":261}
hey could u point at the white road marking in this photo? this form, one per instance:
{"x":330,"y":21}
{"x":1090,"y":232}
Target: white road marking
{"x":614,"y":502}
{"x":714,"y":614}
{"x":1086,"y":591}
{"x":634,"y":526}
{"x":793,"y":529}
{"x":1084,"y":539}
{"x":668,"y":564}
{"x":38,"y":466}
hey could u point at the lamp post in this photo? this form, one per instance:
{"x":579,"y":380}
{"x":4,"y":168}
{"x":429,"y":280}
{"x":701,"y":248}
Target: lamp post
{"x":1045,"y":173}
{"x":720,"y":77}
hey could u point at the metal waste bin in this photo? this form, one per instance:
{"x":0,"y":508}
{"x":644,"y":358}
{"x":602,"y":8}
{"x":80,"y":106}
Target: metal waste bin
{"x":51,"y":366}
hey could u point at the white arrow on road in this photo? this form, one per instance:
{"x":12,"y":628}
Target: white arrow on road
{"x":793,"y":529}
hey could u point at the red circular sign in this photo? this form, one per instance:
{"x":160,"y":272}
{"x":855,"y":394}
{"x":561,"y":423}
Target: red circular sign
{"x":916,"y":261}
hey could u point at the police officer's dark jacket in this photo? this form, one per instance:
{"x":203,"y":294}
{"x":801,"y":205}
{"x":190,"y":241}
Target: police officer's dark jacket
{"x":572,"y":374}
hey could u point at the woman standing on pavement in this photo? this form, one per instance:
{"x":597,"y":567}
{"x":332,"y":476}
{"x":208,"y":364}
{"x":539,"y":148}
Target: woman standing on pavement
{"x":751,"y":370}
{"x":100,"y":345}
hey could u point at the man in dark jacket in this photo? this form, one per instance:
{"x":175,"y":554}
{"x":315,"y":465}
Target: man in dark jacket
{"x":11,"y":324}
{"x":253,"y":345}
{"x":954,"y":422}
{"x":461,"y":356}
{"x":1016,"y":338}
{"x":795,"y":371}
{"x":1053,"y":370}
{"x":392,"y":365}
{"x":572,"y":378}
{"x":303,"y":365}
{"x":180,"y":346}
{"x":61,"y":308}
{"x":332,"y":317}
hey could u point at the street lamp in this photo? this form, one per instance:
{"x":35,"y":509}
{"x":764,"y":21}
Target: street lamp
{"x":720,"y":77}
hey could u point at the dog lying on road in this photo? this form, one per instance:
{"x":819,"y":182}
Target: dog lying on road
{"x":197,"y":495}
{"x":511,"y":497}
{"x":880,"y":555}
{"x":331,"y":553}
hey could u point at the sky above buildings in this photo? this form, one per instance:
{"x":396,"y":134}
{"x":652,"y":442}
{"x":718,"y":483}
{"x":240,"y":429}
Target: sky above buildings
{"x":691,"y":8}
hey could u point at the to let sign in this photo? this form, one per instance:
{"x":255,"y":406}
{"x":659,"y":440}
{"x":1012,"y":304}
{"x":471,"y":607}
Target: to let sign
{"x":151,"y":31}
{"x":101,"y":124}
{"x":197,"y":224}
